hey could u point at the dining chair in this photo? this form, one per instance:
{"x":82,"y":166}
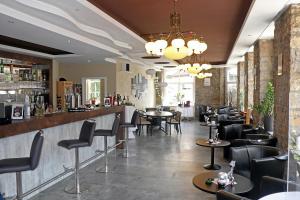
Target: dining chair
{"x":175,"y":120}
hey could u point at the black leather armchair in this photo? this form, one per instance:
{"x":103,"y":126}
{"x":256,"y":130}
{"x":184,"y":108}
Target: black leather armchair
{"x":270,"y":185}
{"x":223,"y":123}
{"x":238,"y":136}
{"x":256,"y":161}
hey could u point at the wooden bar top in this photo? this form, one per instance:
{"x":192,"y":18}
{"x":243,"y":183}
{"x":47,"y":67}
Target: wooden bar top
{"x":50,"y":120}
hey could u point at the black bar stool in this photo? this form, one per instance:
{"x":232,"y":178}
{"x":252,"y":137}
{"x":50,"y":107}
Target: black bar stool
{"x":19,"y":165}
{"x":127,"y":126}
{"x":107,"y":133}
{"x":85,"y":140}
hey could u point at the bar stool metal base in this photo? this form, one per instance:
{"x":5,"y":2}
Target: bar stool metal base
{"x":19,"y":186}
{"x":125,"y":154}
{"x":71,"y":189}
{"x":212,"y":167}
{"x":105,"y":168}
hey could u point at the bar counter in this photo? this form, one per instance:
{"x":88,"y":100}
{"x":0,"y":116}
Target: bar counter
{"x":16,"y":140}
{"x":55,"y":119}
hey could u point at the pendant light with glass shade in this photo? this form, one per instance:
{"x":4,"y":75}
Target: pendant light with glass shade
{"x":194,"y":68}
{"x":174,"y":46}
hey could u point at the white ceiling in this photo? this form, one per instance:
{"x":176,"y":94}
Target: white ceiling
{"x":75,"y":26}
{"x":257,"y":25}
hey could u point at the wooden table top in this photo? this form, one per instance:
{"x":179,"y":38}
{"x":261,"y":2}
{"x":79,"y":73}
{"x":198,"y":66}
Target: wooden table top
{"x":204,"y":142}
{"x":243,"y":185}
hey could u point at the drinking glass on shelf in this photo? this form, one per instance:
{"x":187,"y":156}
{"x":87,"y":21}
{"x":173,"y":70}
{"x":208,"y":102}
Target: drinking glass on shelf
{"x":39,"y":106}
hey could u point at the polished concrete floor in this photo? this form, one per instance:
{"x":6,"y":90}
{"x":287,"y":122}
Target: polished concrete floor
{"x":159,"y":167}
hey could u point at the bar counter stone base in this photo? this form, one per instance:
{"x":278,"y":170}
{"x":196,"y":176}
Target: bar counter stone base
{"x":53,"y":158}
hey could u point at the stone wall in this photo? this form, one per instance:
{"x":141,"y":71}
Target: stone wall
{"x":210,"y":95}
{"x":287,"y":85}
{"x":223,"y":87}
{"x":249,"y":63}
{"x":263,"y":71}
{"x":245,"y":86}
{"x":240,"y":85}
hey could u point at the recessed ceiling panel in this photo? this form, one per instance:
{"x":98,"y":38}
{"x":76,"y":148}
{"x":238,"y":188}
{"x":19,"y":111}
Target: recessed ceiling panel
{"x":218,"y":21}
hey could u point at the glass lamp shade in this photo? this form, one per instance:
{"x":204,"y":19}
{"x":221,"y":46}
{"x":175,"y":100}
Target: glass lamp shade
{"x":193,"y":44}
{"x":159,"y":52}
{"x":200,"y":76}
{"x":190,"y":51}
{"x":178,"y":43}
{"x":175,"y":53}
{"x":150,"y":47}
{"x":202,"y":47}
{"x":208,"y":74}
{"x":160,"y":46}
{"x":194,"y":69}
{"x":206,"y":66}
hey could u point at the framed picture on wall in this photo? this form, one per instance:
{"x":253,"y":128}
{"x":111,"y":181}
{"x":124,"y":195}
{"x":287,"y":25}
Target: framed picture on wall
{"x":107,"y":102}
{"x":17,"y":111}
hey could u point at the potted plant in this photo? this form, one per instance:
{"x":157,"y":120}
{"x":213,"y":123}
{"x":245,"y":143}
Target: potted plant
{"x":180,"y":97}
{"x":266,"y":108}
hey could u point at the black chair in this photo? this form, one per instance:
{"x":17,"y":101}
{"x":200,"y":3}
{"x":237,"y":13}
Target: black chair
{"x":223,"y":110}
{"x":256,"y":161}
{"x":143,"y":121}
{"x":107,"y":133}
{"x":231,"y":132}
{"x":19,"y":165}
{"x":85,"y":140}
{"x":176,"y":121}
{"x":223,"y":123}
{"x":270,"y":185}
{"x":238,"y":136}
{"x":132,"y":124}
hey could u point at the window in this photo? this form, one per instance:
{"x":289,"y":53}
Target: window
{"x":232,"y":86}
{"x":180,"y":88}
{"x":94,"y":89}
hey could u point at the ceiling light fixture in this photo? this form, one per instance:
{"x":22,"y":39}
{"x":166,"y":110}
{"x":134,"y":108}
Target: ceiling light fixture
{"x":174,"y":45}
{"x":196,"y":67}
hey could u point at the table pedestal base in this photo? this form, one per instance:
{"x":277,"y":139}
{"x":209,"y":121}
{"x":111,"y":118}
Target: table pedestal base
{"x":212,"y":167}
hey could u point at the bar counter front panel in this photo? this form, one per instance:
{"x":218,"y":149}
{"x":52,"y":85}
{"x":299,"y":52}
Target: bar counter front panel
{"x":16,"y":142}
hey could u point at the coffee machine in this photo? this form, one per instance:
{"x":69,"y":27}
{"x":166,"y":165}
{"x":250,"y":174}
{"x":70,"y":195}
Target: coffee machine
{"x":5,"y":113}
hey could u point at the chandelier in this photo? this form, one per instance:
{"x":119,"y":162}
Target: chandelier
{"x":195,"y":68}
{"x":173,"y":45}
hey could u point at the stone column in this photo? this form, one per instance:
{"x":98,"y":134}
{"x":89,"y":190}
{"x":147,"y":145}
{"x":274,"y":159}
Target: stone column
{"x":222,"y":85}
{"x":245,"y":86}
{"x":287,"y":75}
{"x":249,"y":62}
{"x":263,"y":71}
{"x":240,"y":85}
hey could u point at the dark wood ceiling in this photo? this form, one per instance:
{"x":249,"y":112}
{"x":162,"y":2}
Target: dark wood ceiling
{"x":218,"y":21}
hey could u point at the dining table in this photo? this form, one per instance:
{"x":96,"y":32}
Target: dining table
{"x":156,"y":117}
